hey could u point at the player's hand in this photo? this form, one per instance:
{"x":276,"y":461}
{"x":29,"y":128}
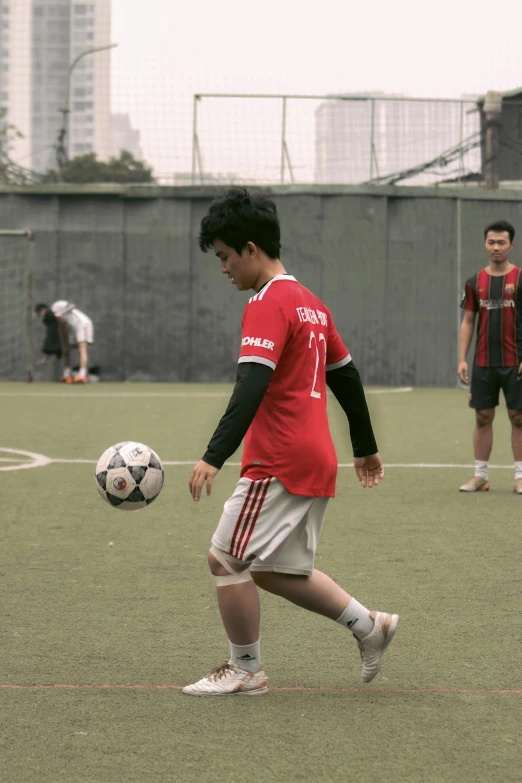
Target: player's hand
{"x":462,"y":372}
{"x":369,"y":470}
{"x":519,"y":373}
{"x":203,"y":473}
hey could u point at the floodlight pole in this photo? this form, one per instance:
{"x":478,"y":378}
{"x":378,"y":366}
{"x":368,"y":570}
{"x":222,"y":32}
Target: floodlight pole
{"x":61,"y":151}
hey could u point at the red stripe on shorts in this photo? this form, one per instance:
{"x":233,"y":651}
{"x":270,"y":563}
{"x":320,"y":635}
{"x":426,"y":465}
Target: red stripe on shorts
{"x":259,"y":487}
{"x":254,"y":520}
{"x":238,"y":525}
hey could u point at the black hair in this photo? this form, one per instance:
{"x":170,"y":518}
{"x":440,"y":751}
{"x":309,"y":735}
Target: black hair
{"x":39,"y":307}
{"x":237,"y":218}
{"x":500,"y":225}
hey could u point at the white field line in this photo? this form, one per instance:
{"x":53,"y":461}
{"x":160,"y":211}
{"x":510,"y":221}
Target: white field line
{"x":339,"y":464}
{"x":34,"y":461}
{"x":90,"y":395}
{"x":28,"y":459}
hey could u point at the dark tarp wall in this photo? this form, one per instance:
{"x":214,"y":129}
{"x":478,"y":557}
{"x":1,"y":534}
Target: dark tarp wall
{"x":390,"y":263}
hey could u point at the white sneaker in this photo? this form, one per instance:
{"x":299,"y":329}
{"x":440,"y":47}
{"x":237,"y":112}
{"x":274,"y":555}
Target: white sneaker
{"x":372,"y":647}
{"x":476,"y":484}
{"x":229,"y":680}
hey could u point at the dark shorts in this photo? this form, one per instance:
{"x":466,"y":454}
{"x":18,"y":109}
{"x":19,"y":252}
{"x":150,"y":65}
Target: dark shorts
{"x":486,"y":383}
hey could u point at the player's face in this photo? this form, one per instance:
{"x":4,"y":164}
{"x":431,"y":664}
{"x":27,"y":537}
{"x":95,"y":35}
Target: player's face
{"x":498,"y":246}
{"x":242,"y":268}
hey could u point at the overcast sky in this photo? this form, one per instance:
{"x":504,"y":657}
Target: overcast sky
{"x":169,"y":49}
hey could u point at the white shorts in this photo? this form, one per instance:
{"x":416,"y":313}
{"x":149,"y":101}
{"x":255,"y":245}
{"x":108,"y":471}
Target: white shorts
{"x":265,"y":524}
{"x":82,"y":332}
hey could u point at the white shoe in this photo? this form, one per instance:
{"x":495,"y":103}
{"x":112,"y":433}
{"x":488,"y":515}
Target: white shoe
{"x":476,"y":484}
{"x":229,"y":680}
{"x":372,"y":647}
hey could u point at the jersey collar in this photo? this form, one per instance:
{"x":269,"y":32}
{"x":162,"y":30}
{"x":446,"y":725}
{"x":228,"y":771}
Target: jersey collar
{"x":277,"y":277}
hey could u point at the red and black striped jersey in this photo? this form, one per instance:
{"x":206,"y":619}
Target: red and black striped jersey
{"x":498,"y":301}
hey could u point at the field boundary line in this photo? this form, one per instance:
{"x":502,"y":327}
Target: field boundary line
{"x":41,"y":460}
{"x":281,"y":688}
{"x":90,"y":395}
{"x":339,"y":464}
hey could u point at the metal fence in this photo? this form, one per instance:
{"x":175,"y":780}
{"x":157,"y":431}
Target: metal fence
{"x":333,"y":139}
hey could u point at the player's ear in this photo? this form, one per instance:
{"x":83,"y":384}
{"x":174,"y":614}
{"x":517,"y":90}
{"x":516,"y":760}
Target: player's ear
{"x":251,"y":249}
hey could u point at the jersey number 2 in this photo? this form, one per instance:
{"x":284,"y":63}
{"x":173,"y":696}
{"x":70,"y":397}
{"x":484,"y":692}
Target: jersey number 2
{"x":316,"y":340}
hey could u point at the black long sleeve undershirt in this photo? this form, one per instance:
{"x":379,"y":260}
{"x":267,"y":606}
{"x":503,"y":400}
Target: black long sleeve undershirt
{"x":346,"y":385}
{"x":251,"y":384}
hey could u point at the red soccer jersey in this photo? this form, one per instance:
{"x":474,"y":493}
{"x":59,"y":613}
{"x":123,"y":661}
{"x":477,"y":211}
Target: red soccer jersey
{"x":289,"y":329}
{"x":498,"y":301}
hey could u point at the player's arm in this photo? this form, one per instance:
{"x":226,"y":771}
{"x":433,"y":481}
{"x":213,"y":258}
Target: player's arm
{"x":344,"y":380}
{"x":466,"y":335}
{"x":251,"y":384}
{"x":469,"y":304}
{"x":346,"y":385}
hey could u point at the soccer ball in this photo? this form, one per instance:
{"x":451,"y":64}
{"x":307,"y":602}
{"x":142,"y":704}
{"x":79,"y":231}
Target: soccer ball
{"x":129,"y":476}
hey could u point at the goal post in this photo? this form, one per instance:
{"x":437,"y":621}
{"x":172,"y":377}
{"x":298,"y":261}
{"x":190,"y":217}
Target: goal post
{"x":16,"y":304}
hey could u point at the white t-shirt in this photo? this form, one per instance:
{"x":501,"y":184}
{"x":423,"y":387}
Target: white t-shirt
{"x":80,"y":325}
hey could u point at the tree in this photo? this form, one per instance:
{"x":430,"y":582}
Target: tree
{"x":87,"y":168}
{"x":10,"y":172}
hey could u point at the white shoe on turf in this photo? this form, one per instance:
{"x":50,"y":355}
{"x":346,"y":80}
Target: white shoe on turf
{"x":227,"y":679}
{"x":476,"y":484}
{"x":372,"y":647}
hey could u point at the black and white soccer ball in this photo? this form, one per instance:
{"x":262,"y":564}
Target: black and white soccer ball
{"x":129,"y":476}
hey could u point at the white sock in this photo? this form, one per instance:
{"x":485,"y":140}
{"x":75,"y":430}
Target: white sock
{"x":67,"y":372}
{"x":518,"y":470}
{"x":357,"y":618}
{"x":83,"y":372}
{"x":247,"y":656}
{"x":481,"y":468}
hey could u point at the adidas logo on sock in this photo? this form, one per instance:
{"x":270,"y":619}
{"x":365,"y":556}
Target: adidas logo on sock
{"x":245,"y":657}
{"x":351,"y":623}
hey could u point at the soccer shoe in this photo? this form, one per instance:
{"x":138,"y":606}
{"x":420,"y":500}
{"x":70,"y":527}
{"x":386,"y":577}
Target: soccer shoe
{"x":80,"y":379}
{"x":517,"y":486}
{"x":476,"y":484}
{"x":372,"y":647}
{"x":229,"y":680}
{"x":67,"y":379}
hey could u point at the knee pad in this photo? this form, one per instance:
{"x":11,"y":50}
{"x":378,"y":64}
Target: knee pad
{"x":233,"y":577}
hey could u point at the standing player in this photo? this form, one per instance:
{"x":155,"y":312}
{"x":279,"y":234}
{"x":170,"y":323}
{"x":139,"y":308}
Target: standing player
{"x":270,"y":527}
{"x":81,"y":334}
{"x":496,"y":295}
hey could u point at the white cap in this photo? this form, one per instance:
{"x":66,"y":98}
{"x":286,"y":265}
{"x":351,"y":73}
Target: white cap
{"x":61,"y":306}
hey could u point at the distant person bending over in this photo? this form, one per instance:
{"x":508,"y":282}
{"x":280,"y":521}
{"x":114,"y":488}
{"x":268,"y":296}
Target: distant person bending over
{"x":270,"y":527}
{"x":81,"y":335}
{"x":495,"y":293}
{"x":56,"y":342}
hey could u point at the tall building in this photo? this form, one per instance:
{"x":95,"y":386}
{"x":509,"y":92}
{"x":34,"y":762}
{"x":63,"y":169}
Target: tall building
{"x":124,"y":137}
{"x":39,"y":40}
{"x":360,"y":138}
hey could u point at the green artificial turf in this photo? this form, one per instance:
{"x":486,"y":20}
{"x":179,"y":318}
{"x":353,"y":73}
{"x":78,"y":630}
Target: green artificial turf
{"x":94,"y":596}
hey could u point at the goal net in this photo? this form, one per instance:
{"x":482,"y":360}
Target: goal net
{"x":16,"y":305}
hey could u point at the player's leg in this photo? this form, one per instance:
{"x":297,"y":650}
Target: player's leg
{"x":512,"y":388}
{"x":237,"y":597}
{"x":288,"y":571}
{"x":84,"y":338}
{"x":484,"y":397}
{"x":81,"y":377}
{"x":238,"y":601}
{"x":483,"y":435}
{"x":515,"y":417}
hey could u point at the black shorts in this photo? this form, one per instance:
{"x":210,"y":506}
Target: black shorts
{"x":486,"y":383}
